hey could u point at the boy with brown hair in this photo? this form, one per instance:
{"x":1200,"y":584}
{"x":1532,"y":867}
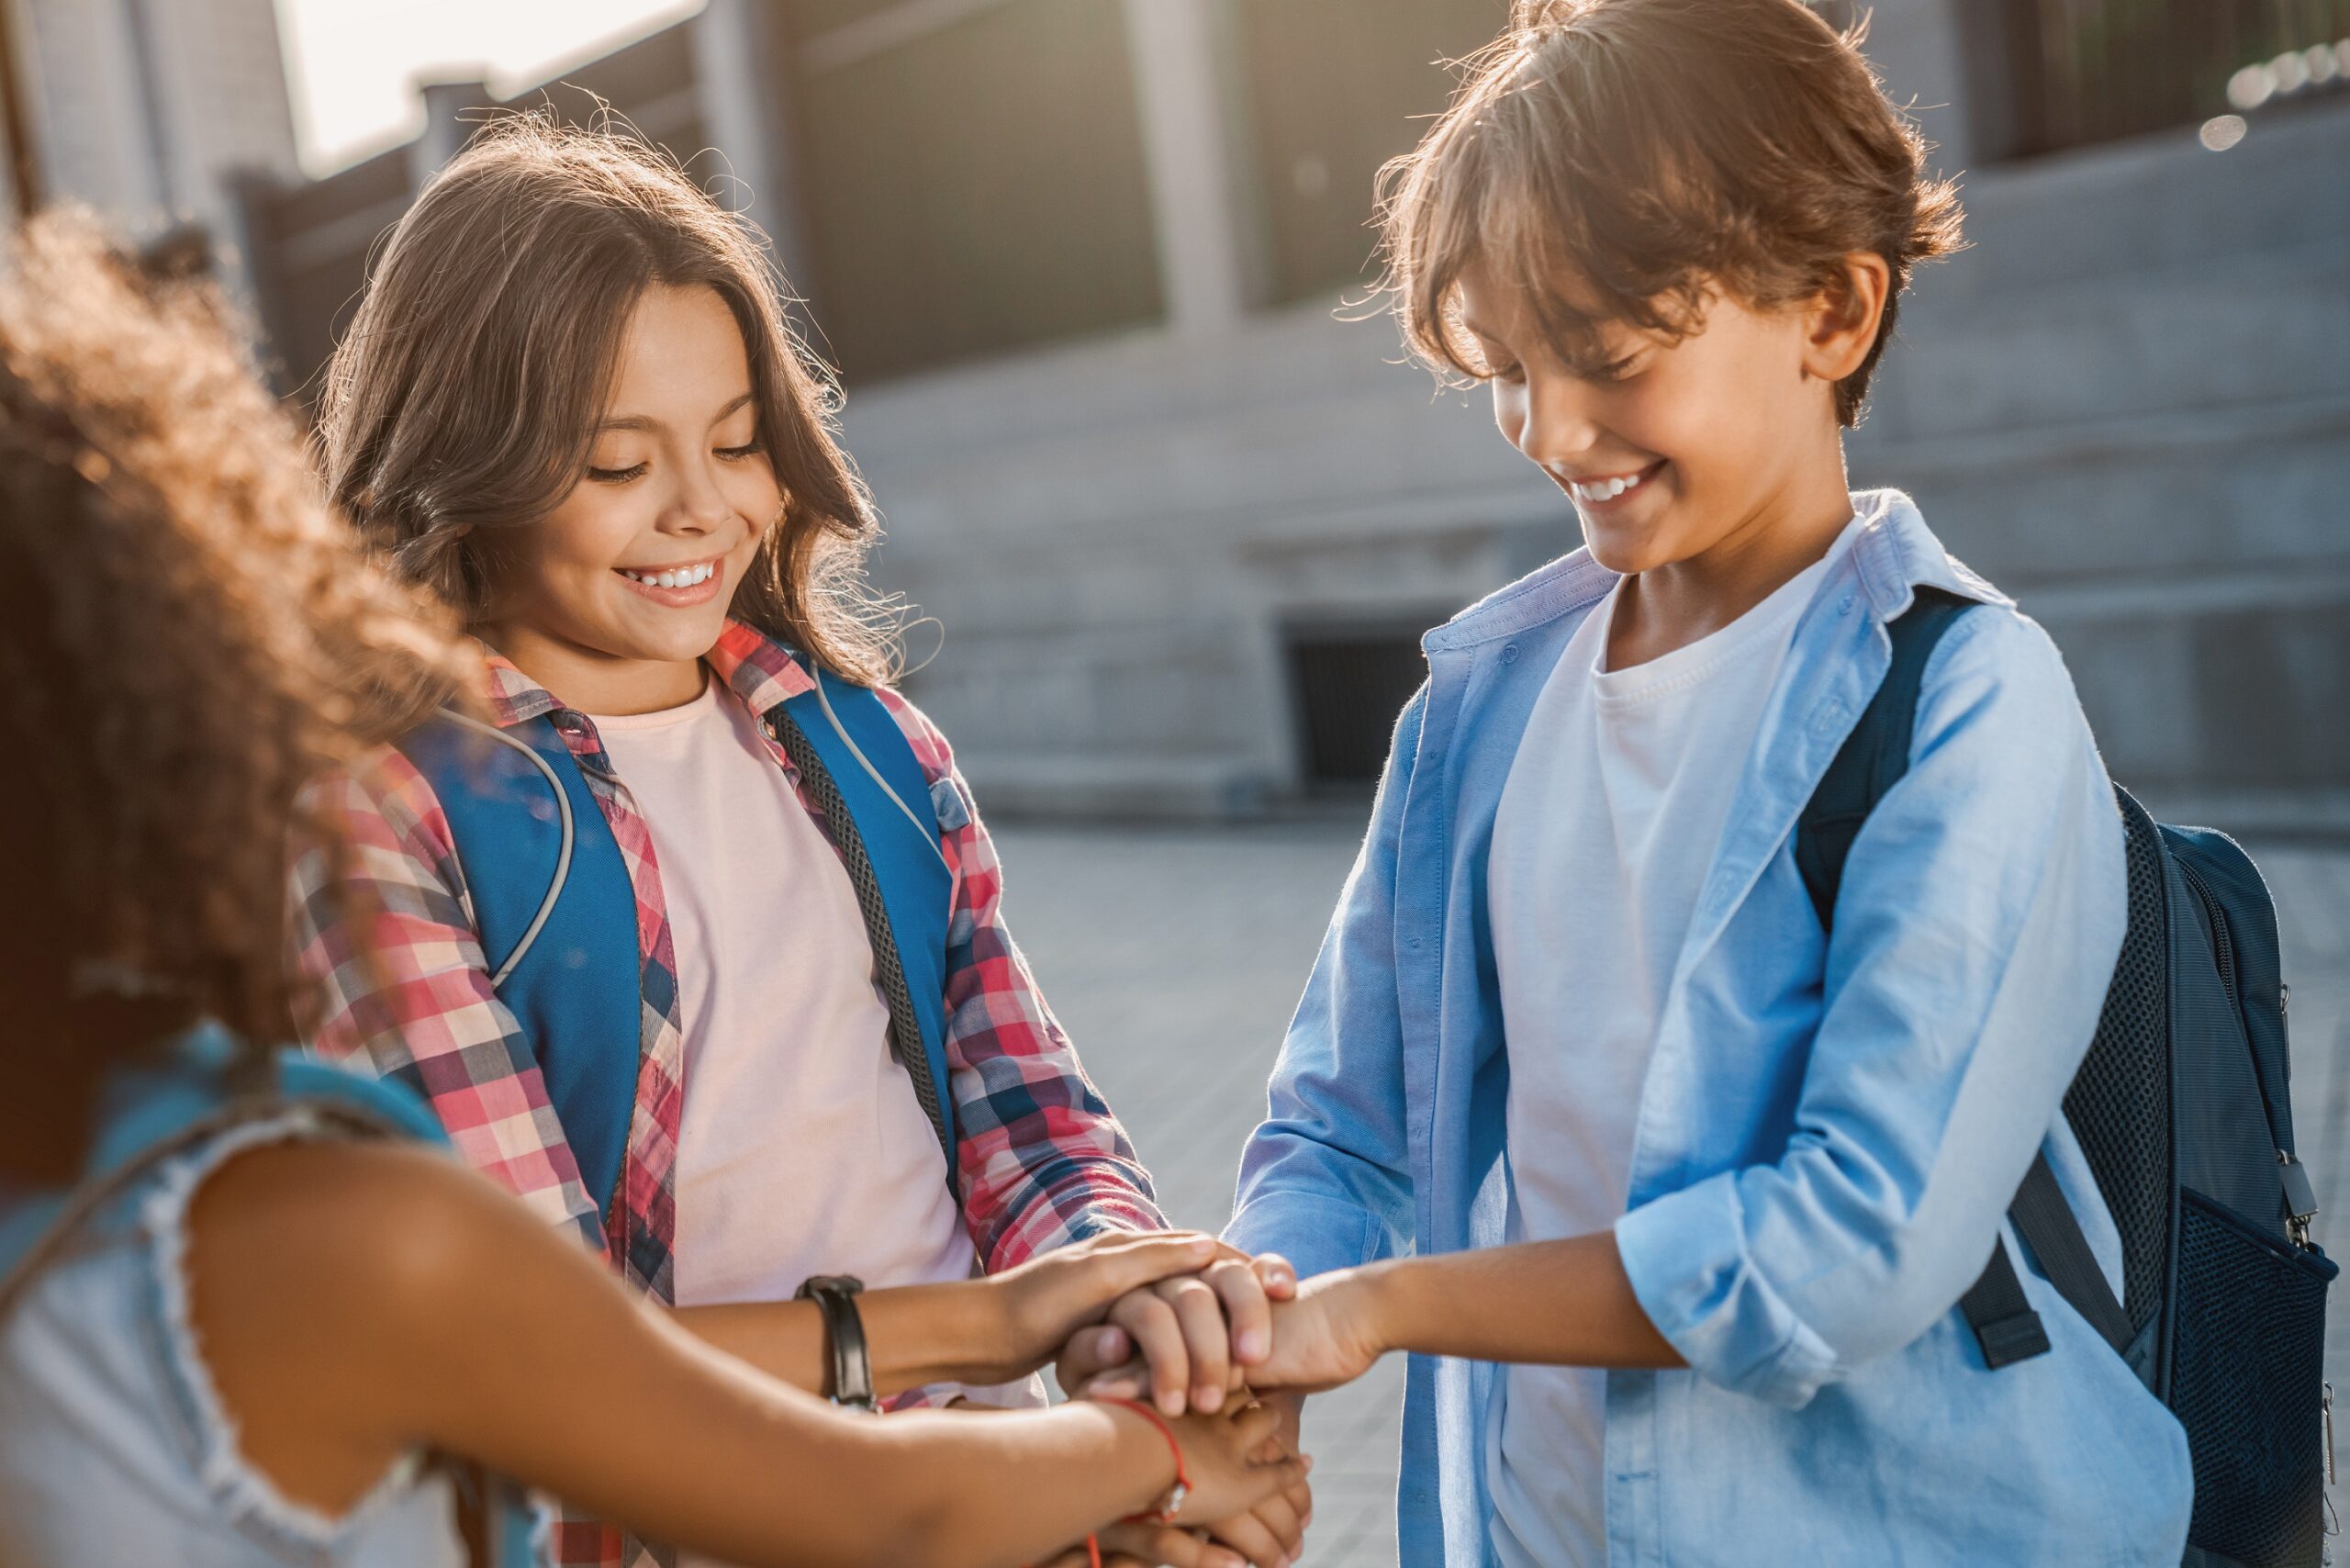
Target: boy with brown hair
{"x":1694,"y":1188}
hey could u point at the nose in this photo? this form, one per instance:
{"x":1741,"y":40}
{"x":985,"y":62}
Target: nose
{"x":699,"y":506}
{"x":1557,"y":425}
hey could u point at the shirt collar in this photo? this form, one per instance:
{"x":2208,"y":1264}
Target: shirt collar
{"x":754,"y":666}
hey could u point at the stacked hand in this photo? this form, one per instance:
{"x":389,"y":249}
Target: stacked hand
{"x":1193,"y":1328}
{"x":1203,"y":1342}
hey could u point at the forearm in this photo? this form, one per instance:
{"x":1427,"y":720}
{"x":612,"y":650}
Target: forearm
{"x":1555,"y":1303}
{"x":916,"y":1335}
{"x":1043,"y":1480}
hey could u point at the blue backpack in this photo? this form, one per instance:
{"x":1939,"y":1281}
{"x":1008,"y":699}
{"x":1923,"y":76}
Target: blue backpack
{"x":556,"y":911}
{"x":2182,"y":1110}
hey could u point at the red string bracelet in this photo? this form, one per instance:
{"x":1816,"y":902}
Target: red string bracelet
{"x":1171,"y":1504}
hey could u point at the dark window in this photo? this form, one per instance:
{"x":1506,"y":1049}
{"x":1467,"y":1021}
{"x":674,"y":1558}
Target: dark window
{"x":971,"y":186}
{"x":2072,"y":73}
{"x":1348,"y":683}
{"x":1334,"y":89}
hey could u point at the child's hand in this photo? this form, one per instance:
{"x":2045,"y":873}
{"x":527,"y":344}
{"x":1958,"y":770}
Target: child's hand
{"x":1271,"y":1534}
{"x":1233,"y":1463}
{"x":1151,"y":1546}
{"x":1046,"y":1300}
{"x":1329,"y":1335}
{"x":1195,"y":1336}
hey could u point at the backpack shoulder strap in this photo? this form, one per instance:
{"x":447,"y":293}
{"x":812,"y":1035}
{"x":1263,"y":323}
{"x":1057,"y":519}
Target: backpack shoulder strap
{"x":1872,"y":760}
{"x":861,"y":771}
{"x":1875,"y":756}
{"x":556,"y":911}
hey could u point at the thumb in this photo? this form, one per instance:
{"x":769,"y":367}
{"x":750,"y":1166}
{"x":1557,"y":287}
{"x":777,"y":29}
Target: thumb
{"x":1277,"y":1274}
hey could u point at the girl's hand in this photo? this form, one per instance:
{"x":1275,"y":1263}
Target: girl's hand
{"x":1331,"y":1334}
{"x":1038,"y":1305}
{"x":1193,"y":1337}
{"x":1150,"y":1546}
{"x":1230,"y":1462}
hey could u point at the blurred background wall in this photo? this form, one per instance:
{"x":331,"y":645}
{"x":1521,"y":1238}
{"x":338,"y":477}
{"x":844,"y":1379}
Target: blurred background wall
{"x":1080,"y":264}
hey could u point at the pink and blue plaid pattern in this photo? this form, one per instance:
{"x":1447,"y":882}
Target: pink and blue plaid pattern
{"x":1041,"y":1160}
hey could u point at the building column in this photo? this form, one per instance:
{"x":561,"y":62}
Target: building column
{"x":744,"y":97}
{"x":1210,"y":238}
{"x":445,"y":133}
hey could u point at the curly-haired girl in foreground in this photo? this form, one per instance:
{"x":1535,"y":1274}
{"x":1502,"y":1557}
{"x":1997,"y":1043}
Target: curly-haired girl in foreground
{"x":238,"y":1301}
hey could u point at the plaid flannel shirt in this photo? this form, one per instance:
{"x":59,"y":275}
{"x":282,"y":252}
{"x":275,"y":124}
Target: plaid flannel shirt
{"x":1040,"y":1160}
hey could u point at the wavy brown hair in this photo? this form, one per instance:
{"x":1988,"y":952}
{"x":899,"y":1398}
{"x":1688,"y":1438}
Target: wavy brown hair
{"x":1614,"y":159}
{"x":187,"y":634}
{"x":466,"y":393}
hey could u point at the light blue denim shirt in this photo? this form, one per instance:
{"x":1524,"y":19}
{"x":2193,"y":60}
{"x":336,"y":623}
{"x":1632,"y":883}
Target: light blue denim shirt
{"x":1829,"y":1134}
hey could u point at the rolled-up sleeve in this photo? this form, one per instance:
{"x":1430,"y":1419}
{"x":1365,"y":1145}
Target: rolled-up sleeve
{"x":1983,"y":906}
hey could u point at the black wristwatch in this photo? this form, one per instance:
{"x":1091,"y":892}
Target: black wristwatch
{"x":836,"y":1297}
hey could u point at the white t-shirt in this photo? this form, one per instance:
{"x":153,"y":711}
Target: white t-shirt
{"x":1608,"y":823}
{"x":801,"y":1148}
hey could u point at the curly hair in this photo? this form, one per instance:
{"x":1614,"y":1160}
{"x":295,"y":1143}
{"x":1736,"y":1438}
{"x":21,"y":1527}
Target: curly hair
{"x":187,"y":635}
{"x":1614,"y":160}
{"x":465,"y":395}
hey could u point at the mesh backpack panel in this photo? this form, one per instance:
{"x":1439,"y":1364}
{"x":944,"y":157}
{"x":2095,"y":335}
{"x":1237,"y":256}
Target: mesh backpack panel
{"x":2120,"y":1104}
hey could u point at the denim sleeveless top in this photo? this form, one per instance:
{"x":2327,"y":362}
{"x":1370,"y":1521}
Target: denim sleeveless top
{"x":115,"y":1446}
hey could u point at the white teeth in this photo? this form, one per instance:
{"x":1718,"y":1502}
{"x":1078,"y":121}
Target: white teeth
{"x":1606,"y":490}
{"x":688,"y":577}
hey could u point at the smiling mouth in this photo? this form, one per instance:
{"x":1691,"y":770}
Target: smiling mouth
{"x":672,"y":577}
{"x":1600,"y":491}
{"x":677,"y":587}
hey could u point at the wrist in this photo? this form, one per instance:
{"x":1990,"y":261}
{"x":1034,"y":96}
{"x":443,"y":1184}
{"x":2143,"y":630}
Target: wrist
{"x":978,"y":1331}
{"x":1174,"y":1484}
{"x":1380,"y":1303}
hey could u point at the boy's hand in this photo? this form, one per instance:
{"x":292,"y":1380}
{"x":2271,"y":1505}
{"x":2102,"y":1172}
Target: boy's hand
{"x":1196,"y":1335}
{"x":1329,"y":1335}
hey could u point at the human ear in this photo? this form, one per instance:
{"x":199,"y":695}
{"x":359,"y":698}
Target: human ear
{"x":1842,"y":323}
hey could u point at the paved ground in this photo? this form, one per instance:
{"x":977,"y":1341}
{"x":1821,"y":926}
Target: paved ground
{"x":1175,"y":955}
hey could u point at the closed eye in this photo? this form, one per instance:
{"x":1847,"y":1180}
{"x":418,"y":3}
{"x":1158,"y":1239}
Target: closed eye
{"x":737,"y":453}
{"x":617,"y":475}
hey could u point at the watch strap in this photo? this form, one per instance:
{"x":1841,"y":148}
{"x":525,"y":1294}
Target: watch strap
{"x":852,"y":1362}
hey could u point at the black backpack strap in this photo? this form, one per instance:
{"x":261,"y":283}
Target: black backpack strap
{"x":2004,"y":1323}
{"x":2049,"y":1227}
{"x":1871,"y":761}
{"x":1875,"y":756}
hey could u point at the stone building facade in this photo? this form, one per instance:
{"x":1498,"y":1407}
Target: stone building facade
{"x":1084,"y":267}
{"x":153,"y":112}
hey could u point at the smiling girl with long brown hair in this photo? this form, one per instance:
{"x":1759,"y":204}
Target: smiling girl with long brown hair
{"x":710,"y":960}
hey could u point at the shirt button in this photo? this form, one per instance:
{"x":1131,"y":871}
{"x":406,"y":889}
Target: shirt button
{"x":1844,"y":607}
{"x":1509,"y":654}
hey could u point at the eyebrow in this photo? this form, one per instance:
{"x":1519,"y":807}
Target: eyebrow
{"x":644,"y":422}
